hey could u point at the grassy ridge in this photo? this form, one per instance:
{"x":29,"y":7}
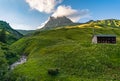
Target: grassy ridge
{"x":11,"y":34}
{"x":71,"y":51}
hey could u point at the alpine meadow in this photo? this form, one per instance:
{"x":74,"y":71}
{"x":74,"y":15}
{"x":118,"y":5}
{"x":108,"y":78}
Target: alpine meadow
{"x":75,"y":42}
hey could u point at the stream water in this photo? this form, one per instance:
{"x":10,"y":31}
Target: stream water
{"x":22,"y":60}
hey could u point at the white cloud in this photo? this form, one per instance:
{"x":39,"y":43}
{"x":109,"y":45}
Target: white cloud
{"x":49,"y":7}
{"x":73,"y":14}
{"x":46,"y":6}
{"x":21,"y":26}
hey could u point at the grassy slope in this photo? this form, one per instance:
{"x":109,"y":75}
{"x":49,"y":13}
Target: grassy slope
{"x":111,"y":23}
{"x":71,"y":51}
{"x":11,"y":34}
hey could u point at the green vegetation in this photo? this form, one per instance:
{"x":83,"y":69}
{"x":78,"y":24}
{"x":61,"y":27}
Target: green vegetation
{"x":70,"y":51}
{"x":108,"y":23}
{"x":112,"y":23}
{"x":3,"y":65}
{"x":61,"y":54}
{"x":7,"y":34}
{"x":7,"y":56}
{"x":3,"y":36}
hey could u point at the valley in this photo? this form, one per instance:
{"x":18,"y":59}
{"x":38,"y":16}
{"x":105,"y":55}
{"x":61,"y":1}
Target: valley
{"x":63,"y":53}
{"x":59,"y":40}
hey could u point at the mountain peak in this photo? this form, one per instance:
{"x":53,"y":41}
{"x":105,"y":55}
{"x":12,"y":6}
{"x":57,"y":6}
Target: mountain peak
{"x":57,"y":22}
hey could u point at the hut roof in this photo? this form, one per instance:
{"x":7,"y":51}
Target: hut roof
{"x":101,"y":35}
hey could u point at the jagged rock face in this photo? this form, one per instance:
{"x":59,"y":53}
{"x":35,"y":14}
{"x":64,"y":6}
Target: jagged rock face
{"x":57,"y":22}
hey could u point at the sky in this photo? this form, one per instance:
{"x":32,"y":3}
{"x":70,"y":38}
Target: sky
{"x":32,"y":14}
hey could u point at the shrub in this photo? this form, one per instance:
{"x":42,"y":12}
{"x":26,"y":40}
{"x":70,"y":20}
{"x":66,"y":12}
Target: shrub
{"x":53,"y":71}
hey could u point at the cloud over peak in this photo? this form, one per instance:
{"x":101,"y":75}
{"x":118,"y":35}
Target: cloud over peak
{"x":73,"y":14}
{"x":49,"y":7}
{"x":46,"y":6}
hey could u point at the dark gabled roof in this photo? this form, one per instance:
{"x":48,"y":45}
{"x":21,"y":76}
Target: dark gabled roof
{"x":105,"y":35}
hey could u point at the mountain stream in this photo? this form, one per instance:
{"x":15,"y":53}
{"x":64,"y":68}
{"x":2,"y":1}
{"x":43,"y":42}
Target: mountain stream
{"x":22,"y":60}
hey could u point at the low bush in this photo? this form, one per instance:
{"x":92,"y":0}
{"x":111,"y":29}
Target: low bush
{"x":53,"y":71}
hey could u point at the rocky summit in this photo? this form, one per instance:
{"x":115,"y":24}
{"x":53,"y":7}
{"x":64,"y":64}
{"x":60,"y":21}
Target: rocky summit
{"x":57,"y":22}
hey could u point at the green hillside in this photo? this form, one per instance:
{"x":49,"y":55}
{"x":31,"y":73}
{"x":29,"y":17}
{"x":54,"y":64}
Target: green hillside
{"x":7,"y":56}
{"x":69,"y":54}
{"x":112,"y":23}
{"x":11,"y":34}
{"x":108,"y":23}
